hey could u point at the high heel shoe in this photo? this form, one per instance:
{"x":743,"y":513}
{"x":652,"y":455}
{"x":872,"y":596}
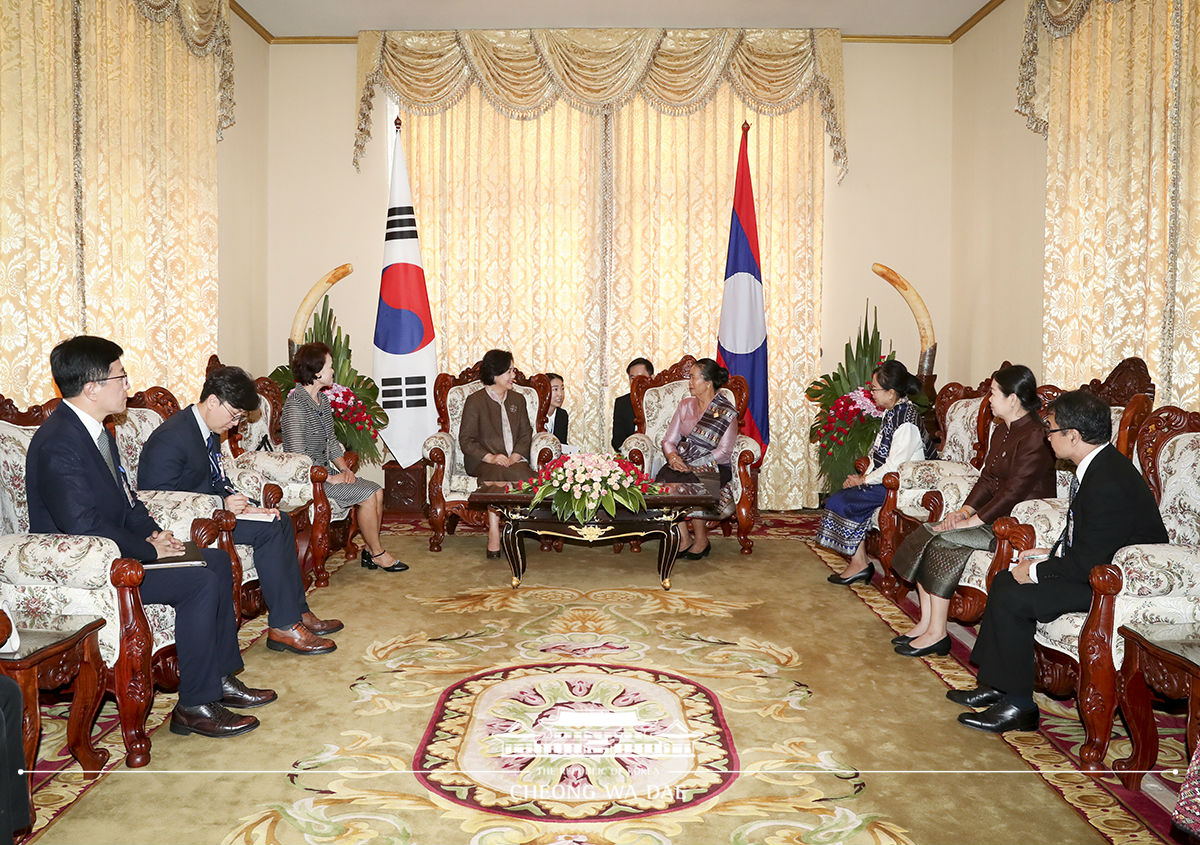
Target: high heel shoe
{"x":864,"y":575}
{"x":493,"y":555}
{"x":689,"y":555}
{"x":368,"y":560}
{"x":941,"y":648}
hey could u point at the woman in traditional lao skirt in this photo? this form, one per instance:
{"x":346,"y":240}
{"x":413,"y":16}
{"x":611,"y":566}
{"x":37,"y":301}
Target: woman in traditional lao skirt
{"x":847,"y":515}
{"x":1019,"y":466}
{"x":700,"y":440}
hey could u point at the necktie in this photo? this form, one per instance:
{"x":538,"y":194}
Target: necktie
{"x":106,"y":453}
{"x":216,"y":475}
{"x":1068,"y":533}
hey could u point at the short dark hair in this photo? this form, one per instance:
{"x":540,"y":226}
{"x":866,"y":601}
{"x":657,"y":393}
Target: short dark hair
{"x":893,"y":375}
{"x":80,"y":360}
{"x":308,"y":361}
{"x":1085,"y":412}
{"x":640,"y":362}
{"x":495,"y":363}
{"x":713,"y":372}
{"x":553,"y":376}
{"x":232,"y":385}
{"x":1020,"y":380}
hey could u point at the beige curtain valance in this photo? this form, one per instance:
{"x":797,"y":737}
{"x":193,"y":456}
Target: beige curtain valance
{"x":523,"y":72}
{"x":1044,"y":20}
{"x":204,"y":28}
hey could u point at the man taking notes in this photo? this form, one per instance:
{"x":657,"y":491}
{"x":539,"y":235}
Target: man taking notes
{"x":184,"y":453}
{"x":76,"y":485}
{"x":1111,"y":508}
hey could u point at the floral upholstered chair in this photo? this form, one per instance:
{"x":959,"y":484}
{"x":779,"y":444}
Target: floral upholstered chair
{"x":449,"y":483}
{"x":44,"y":575}
{"x":655,"y":401}
{"x":1144,"y":583}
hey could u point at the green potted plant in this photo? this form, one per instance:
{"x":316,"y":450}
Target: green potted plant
{"x":357,"y":414}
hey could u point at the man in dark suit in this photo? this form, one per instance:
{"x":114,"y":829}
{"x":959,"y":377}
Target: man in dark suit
{"x":184,"y":453}
{"x":623,"y":422}
{"x":557,"y":422}
{"x":76,"y":485}
{"x":1111,"y":508}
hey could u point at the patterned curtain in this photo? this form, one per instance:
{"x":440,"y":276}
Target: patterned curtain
{"x":580,"y":235}
{"x":1114,"y":85}
{"x":108,"y":202}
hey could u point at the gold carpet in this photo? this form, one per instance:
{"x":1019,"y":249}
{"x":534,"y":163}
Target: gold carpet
{"x":806,"y":727}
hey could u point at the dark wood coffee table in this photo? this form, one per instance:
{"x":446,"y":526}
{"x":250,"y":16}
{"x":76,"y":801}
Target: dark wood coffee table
{"x":1164,"y":657}
{"x":662,"y":511}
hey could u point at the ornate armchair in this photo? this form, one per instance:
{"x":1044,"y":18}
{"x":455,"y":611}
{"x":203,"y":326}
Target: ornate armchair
{"x":292,"y":483}
{"x":654,"y":402}
{"x":44,"y":575}
{"x":449,"y":484}
{"x":1143,"y":583}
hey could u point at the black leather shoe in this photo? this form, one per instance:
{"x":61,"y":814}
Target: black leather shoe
{"x":865,"y":576}
{"x":236,"y":694}
{"x":981,"y":696}
{"x":696,"y":555}
{"x":398,"y":566}
{"x":941,"y":648}
{"x":903,"y":639}
{"x":368,"y":560}
{"x":211,"y":720}
{"x":493,"y":555}
{"x":1000,"y":717}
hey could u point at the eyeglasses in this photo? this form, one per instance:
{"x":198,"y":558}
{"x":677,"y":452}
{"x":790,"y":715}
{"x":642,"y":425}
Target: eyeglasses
{"x":238,"y":418}
{"x":1050,"y":431}
{"x":879,"y":389}
{"x":123,"y":376}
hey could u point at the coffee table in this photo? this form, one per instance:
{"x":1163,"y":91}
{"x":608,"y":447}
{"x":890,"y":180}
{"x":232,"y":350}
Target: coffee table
{"x":1165,"y":657}
{"x":662,"y":511}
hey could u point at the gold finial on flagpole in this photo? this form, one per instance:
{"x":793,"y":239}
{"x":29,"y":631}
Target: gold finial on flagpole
{"x":398,"y":123}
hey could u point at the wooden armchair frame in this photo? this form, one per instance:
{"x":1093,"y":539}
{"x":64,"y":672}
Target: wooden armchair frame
{"x":444,"y":515}
{"x":745,"y":514}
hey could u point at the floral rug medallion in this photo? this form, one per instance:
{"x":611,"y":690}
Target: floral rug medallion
{"x":573,"y":741}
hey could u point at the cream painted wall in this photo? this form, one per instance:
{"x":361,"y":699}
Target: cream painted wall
{"x":894,"y":205}
{"x":998,"y":206}
{"x":242,"y":297}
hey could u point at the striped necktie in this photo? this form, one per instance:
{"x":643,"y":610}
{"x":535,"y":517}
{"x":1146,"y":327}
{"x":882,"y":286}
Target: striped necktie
{"x":1068,"y":533}
{"x":106,"y":454}
{"x":216,"y":475}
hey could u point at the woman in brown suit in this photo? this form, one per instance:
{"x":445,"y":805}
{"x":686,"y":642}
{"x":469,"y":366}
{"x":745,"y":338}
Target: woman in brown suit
{"x":495,"y":434}
{"x":1019,"y":466}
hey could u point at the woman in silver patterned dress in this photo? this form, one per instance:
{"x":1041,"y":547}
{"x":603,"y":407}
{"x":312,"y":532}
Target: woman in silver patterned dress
{"x":308,"y":429}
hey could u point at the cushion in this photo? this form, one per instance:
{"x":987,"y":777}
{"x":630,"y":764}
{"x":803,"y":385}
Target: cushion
{"x":132,"y":430}
{"x":14,"y":508}
{"x":961,"y":419}
{"x":1179,"y":472}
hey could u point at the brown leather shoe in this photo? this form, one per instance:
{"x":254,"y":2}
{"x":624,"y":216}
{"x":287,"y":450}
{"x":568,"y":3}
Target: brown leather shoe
{"x":236,"y":694}
{"x":298,"y":640}
{"x":211,"y":720}
{"x":320,"y":627}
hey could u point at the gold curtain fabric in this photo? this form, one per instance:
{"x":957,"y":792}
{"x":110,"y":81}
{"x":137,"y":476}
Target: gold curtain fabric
{"x":108,"y":204}
{"x":1116,"y":98}
{"x":40,"y":299}
{"x":523,"y":72}
{"x":580,"y":242}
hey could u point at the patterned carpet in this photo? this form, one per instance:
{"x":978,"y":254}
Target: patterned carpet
{"x":590,"y":706}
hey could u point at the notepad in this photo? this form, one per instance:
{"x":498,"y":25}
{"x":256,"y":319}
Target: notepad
{"x":190,"y":556}
{"x":258,"y":517}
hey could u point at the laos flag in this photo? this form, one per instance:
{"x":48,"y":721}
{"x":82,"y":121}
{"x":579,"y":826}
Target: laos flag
{"x":742,"y":337}
{"x":405,"y":353}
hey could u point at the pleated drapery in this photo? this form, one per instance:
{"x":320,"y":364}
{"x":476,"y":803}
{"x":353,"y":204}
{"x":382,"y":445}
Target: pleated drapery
{"x":573,"y":192}
{"x":1113,"y":84}
{"x":108,"y":210}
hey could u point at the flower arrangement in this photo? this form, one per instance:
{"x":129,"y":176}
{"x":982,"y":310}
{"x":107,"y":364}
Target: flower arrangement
{"x":357,"y":414}
{"x":579,"y":485}
{"x":848,"y":418}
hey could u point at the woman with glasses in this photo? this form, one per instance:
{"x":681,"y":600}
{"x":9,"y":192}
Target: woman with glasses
{"x":1019,"y":466}
{"x":848,"y":512}
{"x":307,"y":422}
{"x":495,"y":435}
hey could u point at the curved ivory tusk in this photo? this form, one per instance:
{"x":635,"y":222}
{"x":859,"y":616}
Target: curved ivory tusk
{"x":919,"y":311}
{"x":309,"y":303}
